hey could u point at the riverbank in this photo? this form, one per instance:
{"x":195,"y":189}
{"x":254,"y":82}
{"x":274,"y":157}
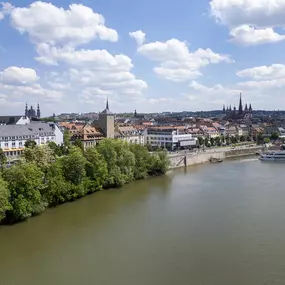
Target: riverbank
{"x":188,"y":159}
{"x":43,"y":179}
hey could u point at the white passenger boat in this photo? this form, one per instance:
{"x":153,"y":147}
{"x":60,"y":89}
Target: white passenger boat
{"x":274,"y":156}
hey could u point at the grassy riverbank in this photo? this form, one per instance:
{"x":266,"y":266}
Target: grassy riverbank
{"x":47,"y":176}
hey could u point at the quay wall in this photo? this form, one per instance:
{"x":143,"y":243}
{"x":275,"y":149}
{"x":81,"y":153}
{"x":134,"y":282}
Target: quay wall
{"x":188,"y":159}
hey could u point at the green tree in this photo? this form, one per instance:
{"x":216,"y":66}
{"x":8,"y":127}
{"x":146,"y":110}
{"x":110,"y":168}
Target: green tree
{"x":42,"y":156}
{"x":73,"y":166}
{"x":212,"y":141}
{"x":267,"y":140}
{"x":25,"y":183}
{"x":201,"y":141}
{"x":218,"y":141}
{"x":206,"y":142}
{"x":242,"y":138}
{"x":158,"y":163}
{"x":57,"y":149}
{"x":274,"y":136}
{"x":4,"y":199}
{"x":66,"y":138}
{"x":96,"y":169}
{"x":3,"y":159}
{"x":107,"y":149}
{"x":30,"y":144}
{"x":142,"y":157}
{"x":79,"y":143}
{"x":57,"y":190}
{"x":259,"y":139}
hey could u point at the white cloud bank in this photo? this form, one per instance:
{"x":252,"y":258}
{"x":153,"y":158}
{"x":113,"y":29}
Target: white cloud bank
{"x":177,"y":63}
{"x":81,"y":74}
{"x":251,"y":22}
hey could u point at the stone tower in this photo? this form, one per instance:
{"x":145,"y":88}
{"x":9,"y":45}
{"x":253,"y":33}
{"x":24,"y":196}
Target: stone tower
{"x":106,"y":122}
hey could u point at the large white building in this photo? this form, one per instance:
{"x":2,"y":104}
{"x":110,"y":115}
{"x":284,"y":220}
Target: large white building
{"x":170,"y":138}
{"x":13,"y":137}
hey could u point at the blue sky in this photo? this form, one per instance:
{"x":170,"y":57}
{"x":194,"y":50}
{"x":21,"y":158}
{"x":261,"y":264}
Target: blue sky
{"x":150,"y":56}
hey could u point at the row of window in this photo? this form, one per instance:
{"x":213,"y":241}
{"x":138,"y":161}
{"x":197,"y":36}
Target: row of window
{"x":21,"y":144}
{"x":13,"y":138}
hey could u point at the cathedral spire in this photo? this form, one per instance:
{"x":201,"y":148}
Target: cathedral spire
{"x":107,"y":104}
{"x":240,"y":106}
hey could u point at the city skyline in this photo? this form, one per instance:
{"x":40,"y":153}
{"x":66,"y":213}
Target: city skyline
{"x":200,"y":60}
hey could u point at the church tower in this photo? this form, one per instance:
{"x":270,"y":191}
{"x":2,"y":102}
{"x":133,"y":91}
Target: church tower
{"x":26,"y":111}
{"x":107,"y":121}
{"x":38,"y":112}
{"x":240,"y":109}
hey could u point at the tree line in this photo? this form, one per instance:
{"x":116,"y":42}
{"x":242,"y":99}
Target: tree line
{"x":46,"y":176}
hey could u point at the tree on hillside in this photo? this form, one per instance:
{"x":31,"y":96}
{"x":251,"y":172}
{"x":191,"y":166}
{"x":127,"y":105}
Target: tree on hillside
{"x":4,"y":199}
{"x":66,"y":138}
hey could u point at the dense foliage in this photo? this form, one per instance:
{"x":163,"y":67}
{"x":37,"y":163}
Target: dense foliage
{"x":51,"y":175}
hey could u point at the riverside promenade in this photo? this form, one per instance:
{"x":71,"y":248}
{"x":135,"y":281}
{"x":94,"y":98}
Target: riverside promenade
{"x":188,"y":158}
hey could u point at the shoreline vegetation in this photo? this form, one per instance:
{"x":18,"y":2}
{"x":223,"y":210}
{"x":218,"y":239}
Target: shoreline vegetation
{"x":50,"y":175}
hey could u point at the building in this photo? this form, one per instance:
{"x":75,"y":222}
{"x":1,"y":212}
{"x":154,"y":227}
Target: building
{"x":32,"y":113}
{"x":88,"y":135}
{"x":129,"y":134}
{"x":170,"y":138}
{"x":106,"y":122}
{"x":14,"y":120}
{"x":238,"y":114}
{"x":13,"y":137}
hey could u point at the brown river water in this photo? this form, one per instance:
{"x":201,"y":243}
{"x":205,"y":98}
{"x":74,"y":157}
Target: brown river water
{"x":219,"y":224}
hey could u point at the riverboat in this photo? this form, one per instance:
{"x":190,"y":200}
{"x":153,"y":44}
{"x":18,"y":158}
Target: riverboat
{"x":274,"y":156}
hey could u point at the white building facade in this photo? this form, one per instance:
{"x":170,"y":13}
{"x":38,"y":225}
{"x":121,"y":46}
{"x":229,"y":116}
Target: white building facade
{"x":170,"y":139}
{"x":130,"y":134}
{"x":13,"y":137}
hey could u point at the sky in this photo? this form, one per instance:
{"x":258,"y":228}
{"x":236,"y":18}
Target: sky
{"x":149,"y":56}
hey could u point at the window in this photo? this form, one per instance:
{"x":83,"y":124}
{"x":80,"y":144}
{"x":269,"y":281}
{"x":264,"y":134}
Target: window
{"x":6,"y":144}
{"x":20,"y":144}
{"x":13,"y":144}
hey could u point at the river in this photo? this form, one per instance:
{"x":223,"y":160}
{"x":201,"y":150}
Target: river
{"x":221,"y":224}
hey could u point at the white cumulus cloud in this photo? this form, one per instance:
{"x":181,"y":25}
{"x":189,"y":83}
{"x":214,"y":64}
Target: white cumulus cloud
{"x":251,"y":21}
{"x":273,"y":71}
{"x":138,"y":36}
{"x":177,"y":63}
{"x":248,"y":35}
{"x":46,"y":23}
{"x":18,"y":75}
